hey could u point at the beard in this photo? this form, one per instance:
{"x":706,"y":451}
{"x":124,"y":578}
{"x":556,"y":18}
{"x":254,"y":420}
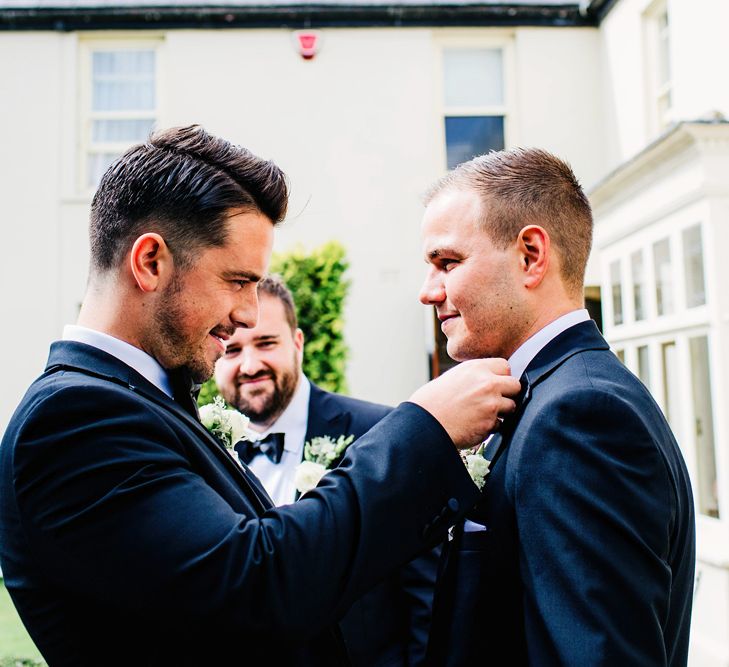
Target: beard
{"x":264,"y":405}
{"x":177,"y":350}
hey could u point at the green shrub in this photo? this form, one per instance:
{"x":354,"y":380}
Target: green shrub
{"x":317,"y":282}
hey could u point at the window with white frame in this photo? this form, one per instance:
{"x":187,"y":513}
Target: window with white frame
{"x":474,"y":102}
{"x":658,"y":52}
{"x":644,"y":365}
{"x":121,"y":105}
{"x":693,"y":262}
{"x":671,"y":384}
{"x":703,"y":413}
{"x":616,"y":288}
{"x":663,"y":277}
{"x":638,"y":277}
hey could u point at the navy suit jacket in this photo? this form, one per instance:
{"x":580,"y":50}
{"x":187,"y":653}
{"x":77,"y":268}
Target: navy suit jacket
{"x":588,"y":553}
{"x":389,"y":625}
{"x":128,"y":535}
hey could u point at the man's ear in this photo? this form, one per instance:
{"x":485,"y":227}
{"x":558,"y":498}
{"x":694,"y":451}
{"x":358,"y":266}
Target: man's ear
{"x":533,"y":246}
{"x":299,"y":344}
{"x":151,"y":262}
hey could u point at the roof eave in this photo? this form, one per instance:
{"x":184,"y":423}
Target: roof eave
{"x":292,"y":16}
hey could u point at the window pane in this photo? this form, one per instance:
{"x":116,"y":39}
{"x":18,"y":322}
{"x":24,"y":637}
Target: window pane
{"x":636,"y":270}
{"x":704,"y":426}
{"x":617,"y":292}
{"x":620,"y":354}
{"x":644,"y":368}
{"x":98,"y":163}
{"x":671,"y":384}
{"x":121,"y":130}
{"x":664,"y":50}
{"x":664,"y":288}
{"x":123,"y":81}
{"x":469,"y":136}
{"x":473,"y":77}
{"x":693,"y":258}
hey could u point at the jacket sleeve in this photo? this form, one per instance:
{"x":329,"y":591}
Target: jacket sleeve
{"x":113,"y":509}
{"x":417,"y":580}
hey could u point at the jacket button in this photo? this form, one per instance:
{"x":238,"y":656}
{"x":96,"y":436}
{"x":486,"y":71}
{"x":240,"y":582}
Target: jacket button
{"x":453,"y":505}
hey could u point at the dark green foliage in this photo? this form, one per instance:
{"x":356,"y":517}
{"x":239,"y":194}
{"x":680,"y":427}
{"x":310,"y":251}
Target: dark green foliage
{"x":208,"y":392}
{"x":317,"y":282}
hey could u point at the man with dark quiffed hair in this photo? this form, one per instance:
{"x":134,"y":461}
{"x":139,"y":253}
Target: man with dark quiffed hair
{"x":128,"y":533}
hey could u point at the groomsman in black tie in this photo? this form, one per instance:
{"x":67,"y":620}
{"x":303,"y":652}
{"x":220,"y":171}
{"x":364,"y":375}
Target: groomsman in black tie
{"x":581,"y":551}
{"x":128,"y":533}
{"x":260,"y":374}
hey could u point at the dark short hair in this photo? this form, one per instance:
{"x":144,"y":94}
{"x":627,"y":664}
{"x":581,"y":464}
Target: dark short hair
{"x":529,"y":186}
{"x":180,"y":184}
{"x":274,"y":286}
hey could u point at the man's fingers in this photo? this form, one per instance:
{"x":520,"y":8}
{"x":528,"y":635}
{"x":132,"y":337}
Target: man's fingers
{"x":508,"y":386}
{"x":497,"y":366}
{"x":506,"y":406}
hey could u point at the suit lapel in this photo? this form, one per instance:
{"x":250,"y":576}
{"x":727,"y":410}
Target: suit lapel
{"x":86,"y":359}
{"x":579,"y":338}
{"x":325,"y":417}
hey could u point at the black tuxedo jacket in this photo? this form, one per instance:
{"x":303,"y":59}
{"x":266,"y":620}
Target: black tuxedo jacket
{"x":588,"y":553}
{"x":128,"y":535}
{"x":389,"y":625}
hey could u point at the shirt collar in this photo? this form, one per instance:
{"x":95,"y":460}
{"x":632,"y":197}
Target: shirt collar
{"x":529,"y":349}
{"x":295,"y":417}
{"x":140,"y":361}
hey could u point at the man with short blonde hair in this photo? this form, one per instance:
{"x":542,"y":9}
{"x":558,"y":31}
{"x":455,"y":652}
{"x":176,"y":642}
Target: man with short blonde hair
{"x":581,"y":550}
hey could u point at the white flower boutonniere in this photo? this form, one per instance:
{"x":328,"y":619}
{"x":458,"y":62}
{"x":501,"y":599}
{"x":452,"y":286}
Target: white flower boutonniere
{"x":477,"y":466}
{"x":229,"y":426}
{"x":319,"y":455}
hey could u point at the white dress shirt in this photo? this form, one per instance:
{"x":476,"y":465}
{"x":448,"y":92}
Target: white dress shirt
{"x":531,"y":347}
{"x":278,"y":478}
{"x":523,"y":356}
{"x":139,"y":360}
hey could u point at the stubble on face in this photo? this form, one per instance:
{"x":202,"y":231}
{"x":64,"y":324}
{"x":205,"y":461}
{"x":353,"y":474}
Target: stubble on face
{"x":263,"y":404}
{"x":173,"y":346}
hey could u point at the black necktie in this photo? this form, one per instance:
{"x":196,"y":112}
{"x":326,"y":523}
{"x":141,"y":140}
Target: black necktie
{"x":272,"y":446}
{"x":184,"y":391}
{"x":493,"y":448}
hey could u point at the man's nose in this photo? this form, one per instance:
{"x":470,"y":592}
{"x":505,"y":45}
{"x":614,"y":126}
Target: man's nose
{"x":250,"y":361}
{"x":433,"y":290}
{"x":245,"y":309}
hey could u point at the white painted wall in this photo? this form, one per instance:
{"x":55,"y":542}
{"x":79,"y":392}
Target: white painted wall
{"x":30,"y":229}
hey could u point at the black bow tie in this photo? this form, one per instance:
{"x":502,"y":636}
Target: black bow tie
{"x":272,"y":446}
